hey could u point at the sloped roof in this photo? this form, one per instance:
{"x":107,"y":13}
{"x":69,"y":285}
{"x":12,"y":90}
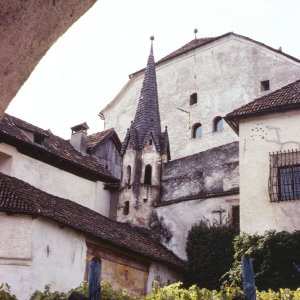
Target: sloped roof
{"x":146,"y":122}
{"x":96,"y":138}
{"x":286,"y":98}
{"x":54,"y":150}
{"x":19,"y":197}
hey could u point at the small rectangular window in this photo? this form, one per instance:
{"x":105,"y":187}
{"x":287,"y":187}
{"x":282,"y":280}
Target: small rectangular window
{"x":235,"y":217}
{"x":284,"y":180}
{"x":193,"y":99}
{"x":265,"y":85}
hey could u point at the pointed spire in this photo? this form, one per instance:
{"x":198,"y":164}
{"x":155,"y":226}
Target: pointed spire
{"x":147,"y":118}
{"x":146,"y":122}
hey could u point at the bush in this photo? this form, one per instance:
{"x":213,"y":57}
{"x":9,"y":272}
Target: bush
{"x":276,"y":259}
{"x":210,"y":253}
{"x":5,"y":293}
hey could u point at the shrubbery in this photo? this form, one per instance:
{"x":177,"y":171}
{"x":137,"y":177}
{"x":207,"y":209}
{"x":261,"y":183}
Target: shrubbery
{"x":276,"y":259}
{"x":210,"y":253}
{"x":171,"y":292}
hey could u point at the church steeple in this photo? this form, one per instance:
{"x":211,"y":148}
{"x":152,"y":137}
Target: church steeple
{"x":144,"y":152}
{"x":146,"y":124}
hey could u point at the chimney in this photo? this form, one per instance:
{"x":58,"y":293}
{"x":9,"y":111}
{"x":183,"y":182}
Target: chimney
{"x":79,"y":137}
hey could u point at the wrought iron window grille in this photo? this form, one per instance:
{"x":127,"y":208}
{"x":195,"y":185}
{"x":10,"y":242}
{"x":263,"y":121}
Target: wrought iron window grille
{"x":284,"y":179}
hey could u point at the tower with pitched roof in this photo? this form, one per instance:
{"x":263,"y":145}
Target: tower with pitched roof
{"x":144,"y":151}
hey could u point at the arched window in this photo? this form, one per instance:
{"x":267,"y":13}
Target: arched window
{"x":193,"y":99}
{"x":218,"y":124}
{"x":197,"y":131}
{"x":128,"y":175}
{"x":148,"y":174}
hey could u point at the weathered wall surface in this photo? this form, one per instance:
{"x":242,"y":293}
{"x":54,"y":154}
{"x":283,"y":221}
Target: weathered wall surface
{"x":259,"y":136}
{"x":55,"y":181}
{"x":28,"y":30}
{"x":211,"y":171}
{"x":225,"y":74}
{"x":177,"y":219}
{"x":46,"y":254}
{"x":121,"y":270}
{"x":140,"y":196}
{"x":109,"y":157}
{"x":163,"y":274}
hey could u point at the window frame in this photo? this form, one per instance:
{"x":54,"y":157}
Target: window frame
{"x":279,"y":161}
{"x":216,"y":121}
{"x":195,"y":127}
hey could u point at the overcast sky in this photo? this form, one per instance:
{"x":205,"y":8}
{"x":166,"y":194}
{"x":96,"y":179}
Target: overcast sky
{"x":91,"y":62}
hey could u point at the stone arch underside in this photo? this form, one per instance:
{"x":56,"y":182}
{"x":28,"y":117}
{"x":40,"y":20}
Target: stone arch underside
{"x":28,"y":28}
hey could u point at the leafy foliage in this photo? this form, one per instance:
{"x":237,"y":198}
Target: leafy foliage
{"x":210,"y":253}
{"x":5,"y":293}
{"x":276,"y":259}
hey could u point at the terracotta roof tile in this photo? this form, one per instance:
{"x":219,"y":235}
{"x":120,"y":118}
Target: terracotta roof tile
{"x":16,"y":196}
{"x":13,"y":131}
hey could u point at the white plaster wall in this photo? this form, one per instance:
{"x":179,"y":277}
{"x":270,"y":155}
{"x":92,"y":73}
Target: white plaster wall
{"x":180,"y":217}
{"x":228,"y":74}
{"x":166,"y":274}
{"x":57,"y":182}
{"x":258,"y":137}
{"x":58,"y":257}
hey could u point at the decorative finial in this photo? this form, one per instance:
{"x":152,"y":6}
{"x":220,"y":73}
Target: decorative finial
{"x":151,"y":39}
{"x":195,"y":31}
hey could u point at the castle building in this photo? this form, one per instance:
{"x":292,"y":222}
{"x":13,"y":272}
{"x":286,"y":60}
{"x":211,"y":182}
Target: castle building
{"x":197,"y":85}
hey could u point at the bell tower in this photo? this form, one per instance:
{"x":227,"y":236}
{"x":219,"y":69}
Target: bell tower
{"x":144,"y":150}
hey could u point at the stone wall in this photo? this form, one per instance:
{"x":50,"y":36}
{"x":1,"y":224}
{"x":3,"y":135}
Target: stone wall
{"x":211,"y":171}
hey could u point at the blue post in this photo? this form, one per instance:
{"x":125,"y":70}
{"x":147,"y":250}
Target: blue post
{"x":248,"y":278}
{"x":94,"y":278}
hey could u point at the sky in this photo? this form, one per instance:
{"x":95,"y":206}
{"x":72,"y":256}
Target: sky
{"x":86,"y":68}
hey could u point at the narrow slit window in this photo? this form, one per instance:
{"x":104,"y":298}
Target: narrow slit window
{"x":148,"y":175}
{"x":193,"y":99}
{"x":128,"y":175}
{"x":235,"y":217}
{"x":126,"y":208}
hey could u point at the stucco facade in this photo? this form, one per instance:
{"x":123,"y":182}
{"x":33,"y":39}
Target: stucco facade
{"x":54,"y":181}
{"x":36,"y":252}
{"x":225,"y":74}
{"x":260,"y":136}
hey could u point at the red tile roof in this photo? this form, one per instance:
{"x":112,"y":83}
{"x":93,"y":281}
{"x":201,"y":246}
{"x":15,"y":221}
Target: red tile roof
{"x":54,"y":150}
{"x":286,"y":98}
{"x":19,"y":197}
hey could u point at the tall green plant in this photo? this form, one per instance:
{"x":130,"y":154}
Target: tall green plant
{"x":210,"y":253}
{"x":276,"y":259}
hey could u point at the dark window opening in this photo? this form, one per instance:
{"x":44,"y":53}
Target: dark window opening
{"x":145,"y":200}
{"x":126,"y":208}
{"x":128,"y":175}
{"x":289,"y":183}
{"x":235,"y":217}
{"x":197,"y":131}
{"x":193,"y":99}
{"x":265,"y":85}
{"x":150,"y":142}
{"x":106,"y":167}
{"x":218,"y":124}
{"x":148,"y":174}
{"x":284,"y":179}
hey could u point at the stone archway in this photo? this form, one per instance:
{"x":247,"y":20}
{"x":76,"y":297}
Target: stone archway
{"x":28,"y":28}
